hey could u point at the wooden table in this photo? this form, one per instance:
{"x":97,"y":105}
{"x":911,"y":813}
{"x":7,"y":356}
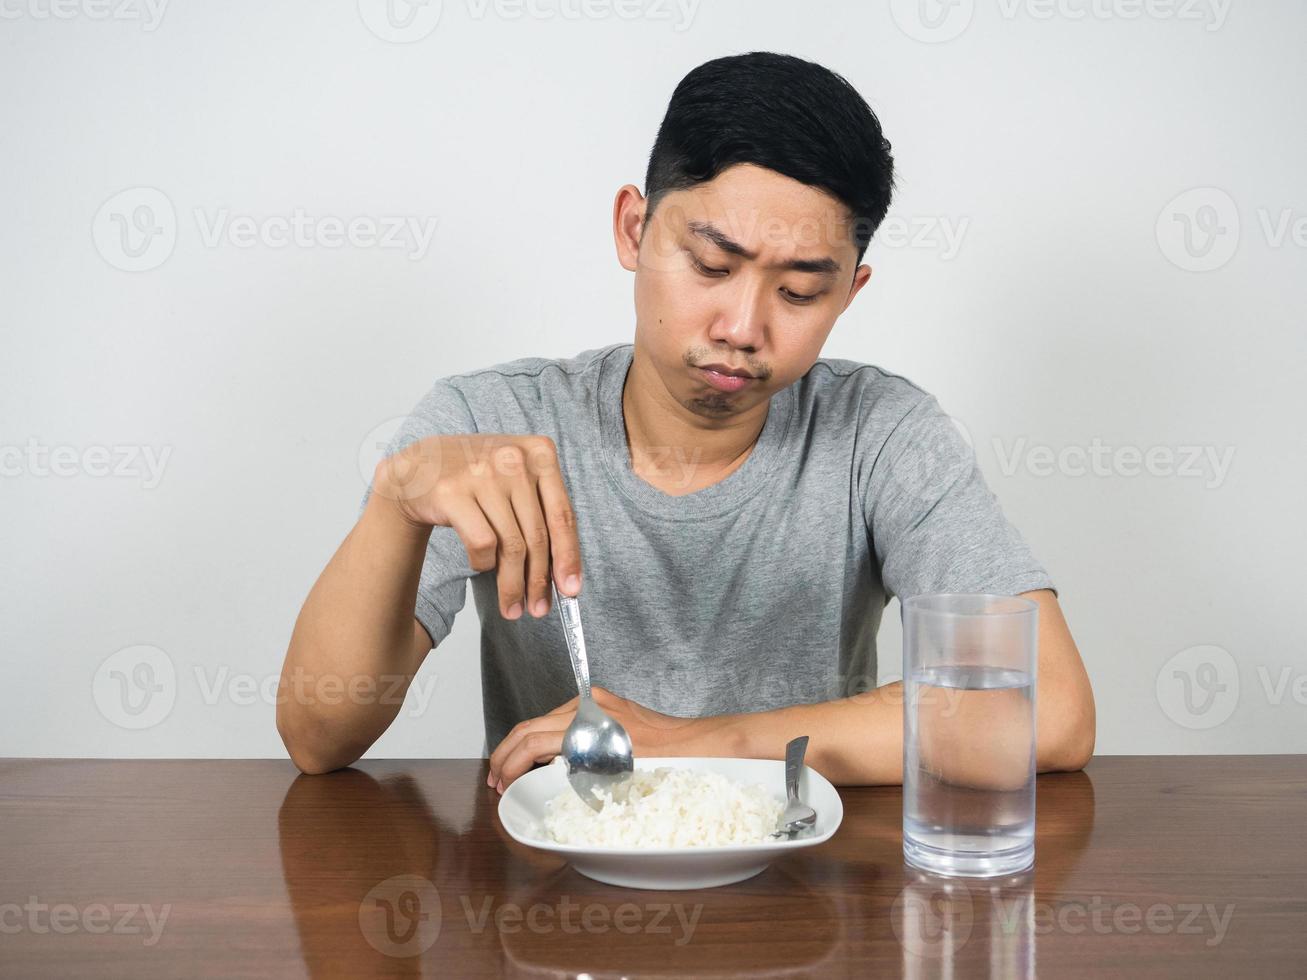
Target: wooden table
{"x":1145,"y":866}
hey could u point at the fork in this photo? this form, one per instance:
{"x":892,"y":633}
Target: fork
{"x":798,"y":816}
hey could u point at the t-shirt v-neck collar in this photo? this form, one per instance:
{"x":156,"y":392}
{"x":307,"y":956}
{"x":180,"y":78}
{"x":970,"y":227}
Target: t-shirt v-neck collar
{"x":723,"y":496}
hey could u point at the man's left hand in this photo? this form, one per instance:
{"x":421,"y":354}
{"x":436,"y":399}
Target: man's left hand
{"x":540,"y":739}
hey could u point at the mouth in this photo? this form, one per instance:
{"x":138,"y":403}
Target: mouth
{"x":725,"y":378}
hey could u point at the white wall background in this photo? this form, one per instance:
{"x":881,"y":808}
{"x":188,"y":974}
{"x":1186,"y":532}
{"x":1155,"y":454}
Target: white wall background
{"x":1046,"y":293}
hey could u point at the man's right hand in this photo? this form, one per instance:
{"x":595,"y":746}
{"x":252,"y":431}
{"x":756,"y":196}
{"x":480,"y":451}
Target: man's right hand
{"x":505,"y":496}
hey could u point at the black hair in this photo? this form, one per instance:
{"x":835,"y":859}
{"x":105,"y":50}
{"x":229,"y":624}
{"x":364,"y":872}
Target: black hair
{"x":783,"y":113}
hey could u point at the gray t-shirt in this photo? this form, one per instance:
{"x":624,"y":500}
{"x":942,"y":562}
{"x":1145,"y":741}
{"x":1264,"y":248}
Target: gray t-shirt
{"x":763,"y":590}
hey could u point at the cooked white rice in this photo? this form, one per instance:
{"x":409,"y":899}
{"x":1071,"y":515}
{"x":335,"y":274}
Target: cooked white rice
{"x":667,"y":807}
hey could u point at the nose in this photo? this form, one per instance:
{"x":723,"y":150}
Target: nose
{"x":742,"y":322}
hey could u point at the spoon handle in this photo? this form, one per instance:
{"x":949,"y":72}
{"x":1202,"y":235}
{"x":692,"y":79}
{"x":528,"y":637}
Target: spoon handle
{"x":569,"y":610}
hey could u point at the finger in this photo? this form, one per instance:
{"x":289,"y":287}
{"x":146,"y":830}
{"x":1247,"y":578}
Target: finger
{"x":531,"y":519}
{"x":564,"y":543}
{"x":479,"y":539}
{"x":521,"y":731}
{"x":566,"y":708}
{"x":538,"y":746}
{"x":505,"y":746}
{"x":511,"y":551}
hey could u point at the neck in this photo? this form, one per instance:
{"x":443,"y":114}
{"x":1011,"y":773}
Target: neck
{"x":667,"y":439}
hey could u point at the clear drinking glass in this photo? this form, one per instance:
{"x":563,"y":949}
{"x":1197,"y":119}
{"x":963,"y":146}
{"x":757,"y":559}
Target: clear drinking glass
{"x":969,"y":733}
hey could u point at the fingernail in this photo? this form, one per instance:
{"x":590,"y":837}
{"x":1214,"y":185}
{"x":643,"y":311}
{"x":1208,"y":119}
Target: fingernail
{"x":499,"y":787}
{"x":515,"y":610}
{"x":490,"y":779}
{"x":540,"y":608}
{"x":574,"y":584}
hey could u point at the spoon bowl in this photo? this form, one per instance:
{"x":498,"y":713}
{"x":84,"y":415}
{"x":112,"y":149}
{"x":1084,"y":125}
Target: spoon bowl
{"x":596,"y":748}
{"x":598,"y":754}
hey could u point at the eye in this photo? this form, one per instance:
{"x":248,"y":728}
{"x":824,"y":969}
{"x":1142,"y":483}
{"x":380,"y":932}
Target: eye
{"x":799,"y":299}
{"x":707,"y":270}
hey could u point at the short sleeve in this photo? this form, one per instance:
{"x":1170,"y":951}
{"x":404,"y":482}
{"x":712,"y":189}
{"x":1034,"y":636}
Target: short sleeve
{"x":442,"y":588}
{"x":935,"y":525}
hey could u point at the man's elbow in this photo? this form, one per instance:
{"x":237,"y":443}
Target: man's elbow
{"x":1078,"y":748}
{"x":312,"y":764}
{"x":312,"y":752}
{"x":1070,"y":744}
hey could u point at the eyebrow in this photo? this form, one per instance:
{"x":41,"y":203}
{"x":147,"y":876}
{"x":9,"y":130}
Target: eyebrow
{"x":823,"y":267}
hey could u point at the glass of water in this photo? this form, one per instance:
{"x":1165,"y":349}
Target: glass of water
{"x":969,"y":733}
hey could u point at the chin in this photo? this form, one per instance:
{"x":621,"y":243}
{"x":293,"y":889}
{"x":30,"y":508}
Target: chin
{"x":711,"y":407}
{"x":721,"y":404}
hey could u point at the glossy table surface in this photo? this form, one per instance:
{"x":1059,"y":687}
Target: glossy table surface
{"x":1145,"y":866}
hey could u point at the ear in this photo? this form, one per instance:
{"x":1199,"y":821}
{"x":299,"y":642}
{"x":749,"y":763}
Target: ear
{"x":628,"y":225}
{"x":860,"y":277}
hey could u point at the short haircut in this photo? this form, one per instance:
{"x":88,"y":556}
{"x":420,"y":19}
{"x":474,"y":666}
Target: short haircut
{"x":779,"y":112}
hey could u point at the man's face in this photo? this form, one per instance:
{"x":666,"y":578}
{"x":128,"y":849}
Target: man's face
{"x":749,"y":271}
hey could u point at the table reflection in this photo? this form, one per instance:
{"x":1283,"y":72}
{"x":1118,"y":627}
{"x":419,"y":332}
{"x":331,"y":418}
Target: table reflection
{"x":389,"y":874}
{"x":954,"y":926}
{"x":774,"y":924}
{"x":374,"y":869}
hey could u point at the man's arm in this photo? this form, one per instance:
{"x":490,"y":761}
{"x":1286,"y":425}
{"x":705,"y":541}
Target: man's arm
{"x":859,"y":740}
{"x":854,"y":741}
{"x":357,"y":644}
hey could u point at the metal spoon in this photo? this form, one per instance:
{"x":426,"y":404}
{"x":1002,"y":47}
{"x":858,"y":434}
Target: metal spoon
{"x":596,"y":748}
{"x":798,"y":816}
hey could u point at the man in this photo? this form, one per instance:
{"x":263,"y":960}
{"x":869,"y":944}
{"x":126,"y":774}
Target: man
{"x":733,"y":511}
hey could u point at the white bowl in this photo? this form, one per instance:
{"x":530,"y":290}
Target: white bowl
{"x":522,"y":812}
